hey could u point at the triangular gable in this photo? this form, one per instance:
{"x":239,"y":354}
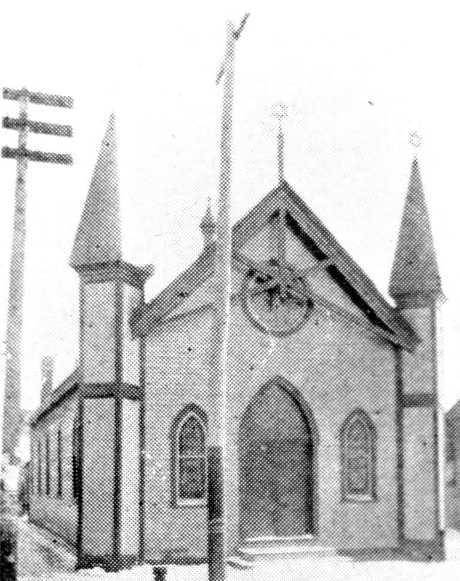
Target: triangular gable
{"x":308,"y":243}
{"x":262,"y":245}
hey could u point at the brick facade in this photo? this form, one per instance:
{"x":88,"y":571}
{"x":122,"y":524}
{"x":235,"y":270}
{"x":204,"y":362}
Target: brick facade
{"x":334,"y":367}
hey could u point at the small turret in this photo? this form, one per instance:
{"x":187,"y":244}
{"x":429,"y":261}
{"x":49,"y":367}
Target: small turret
{"x":208,"y":226}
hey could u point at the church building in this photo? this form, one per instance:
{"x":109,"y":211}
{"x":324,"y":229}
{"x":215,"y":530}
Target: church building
{"x":331,"y":414}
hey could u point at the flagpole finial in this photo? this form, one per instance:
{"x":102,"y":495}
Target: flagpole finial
{"x":416,"y":141}
{"x":279,"y":111}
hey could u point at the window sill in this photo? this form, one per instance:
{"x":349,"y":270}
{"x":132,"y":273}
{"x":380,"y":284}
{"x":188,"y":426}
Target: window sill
{"x":359,"y":499}
{"x":189,"y":503}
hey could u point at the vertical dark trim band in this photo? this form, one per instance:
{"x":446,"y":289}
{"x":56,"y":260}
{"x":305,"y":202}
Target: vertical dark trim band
{"x":59,"y":462}
{"x":48,"y":466}
{"x":118,"y":425}
{"x":399,"y":443}
{"x":80,"y":420}
{"x":79,"y":477}
{"x":216,"y":541}
{"x":434,"y":335}
{"x":142,"y":449}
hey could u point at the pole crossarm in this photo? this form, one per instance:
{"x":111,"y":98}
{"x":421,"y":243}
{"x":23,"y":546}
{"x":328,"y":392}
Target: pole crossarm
{"x":38,"y":126}
{"x":38,"y":98}
{"x":236,"y":35}
{"x":47,"y":157}
{"x":22,"y":155}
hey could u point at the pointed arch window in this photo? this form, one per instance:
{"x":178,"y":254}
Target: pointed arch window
{"x":358,"y":442}
{"x":189,"y":481}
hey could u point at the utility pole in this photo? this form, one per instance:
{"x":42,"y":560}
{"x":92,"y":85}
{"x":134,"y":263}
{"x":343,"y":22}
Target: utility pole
{"x":220,"y":335}
{"x":12,"y":402}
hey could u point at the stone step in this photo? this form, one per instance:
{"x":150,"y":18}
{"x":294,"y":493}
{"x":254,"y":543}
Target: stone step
{"x":280,"y":541}
{"x":275,"y":552}
{"x":238,"y":562}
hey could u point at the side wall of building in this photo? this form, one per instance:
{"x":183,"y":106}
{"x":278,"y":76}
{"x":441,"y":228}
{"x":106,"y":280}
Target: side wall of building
{"x":54,"y":511}
{"x":452,"y":476}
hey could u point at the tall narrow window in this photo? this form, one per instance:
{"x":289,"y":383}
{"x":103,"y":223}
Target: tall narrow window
{"x":451,"y":457}
{"x":47,"y":465}
{"x":190,"y":461}
{"x":39,"y":467}
{"x":31,"y":471}
{"x":358,"y":458}
{"x":59,"y":462}
{"x":75,"y":459}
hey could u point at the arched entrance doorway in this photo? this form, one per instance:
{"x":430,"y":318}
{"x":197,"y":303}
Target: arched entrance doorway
{"x":276,"y":467}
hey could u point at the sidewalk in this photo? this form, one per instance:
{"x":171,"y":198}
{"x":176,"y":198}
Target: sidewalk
{"x":42,"y":557}
{"x":41,"y":554}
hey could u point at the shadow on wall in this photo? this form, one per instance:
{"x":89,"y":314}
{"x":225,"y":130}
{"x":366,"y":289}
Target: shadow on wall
{"x":8,"y":535}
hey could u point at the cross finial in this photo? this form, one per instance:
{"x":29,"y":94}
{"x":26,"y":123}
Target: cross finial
{"x":280,"y":112}
{"x":415,"y":140}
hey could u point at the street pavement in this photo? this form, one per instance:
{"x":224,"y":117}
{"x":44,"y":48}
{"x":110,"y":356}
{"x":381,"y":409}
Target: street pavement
{"x":42,"y":556}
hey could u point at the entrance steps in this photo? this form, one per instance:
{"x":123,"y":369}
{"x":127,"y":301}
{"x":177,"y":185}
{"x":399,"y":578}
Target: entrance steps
{"x":260,"y":550}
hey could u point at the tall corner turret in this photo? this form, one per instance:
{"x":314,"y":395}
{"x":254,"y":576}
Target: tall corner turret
{"x":110,"y":406}
{"x":415,"y":286}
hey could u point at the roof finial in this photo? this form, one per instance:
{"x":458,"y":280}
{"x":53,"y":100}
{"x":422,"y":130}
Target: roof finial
{"x":208,"y":225}
{"x":416,"y":141}
{"x":280,"y":112}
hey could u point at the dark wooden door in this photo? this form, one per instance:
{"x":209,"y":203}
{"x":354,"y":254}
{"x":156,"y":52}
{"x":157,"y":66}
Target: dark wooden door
{"x":291,"y":497}
{"x":276,"y":479}
{"x":258,"y":490}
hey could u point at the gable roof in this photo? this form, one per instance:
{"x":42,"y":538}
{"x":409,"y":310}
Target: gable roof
{"x":64,"y":389}
{"x":317,"y":240}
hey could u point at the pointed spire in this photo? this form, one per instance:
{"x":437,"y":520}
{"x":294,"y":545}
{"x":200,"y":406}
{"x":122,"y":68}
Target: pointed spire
{"x":415,"y":269}
{"x":208,"y":226}
{"x":98,"y":236}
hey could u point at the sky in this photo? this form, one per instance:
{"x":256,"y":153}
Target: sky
{"x":356,"y":78}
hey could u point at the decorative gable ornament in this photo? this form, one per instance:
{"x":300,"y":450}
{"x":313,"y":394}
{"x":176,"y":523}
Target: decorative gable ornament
{"x":270,"y":304}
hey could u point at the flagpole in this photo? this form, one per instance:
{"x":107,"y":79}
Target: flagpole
{"x":220,"y":337}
